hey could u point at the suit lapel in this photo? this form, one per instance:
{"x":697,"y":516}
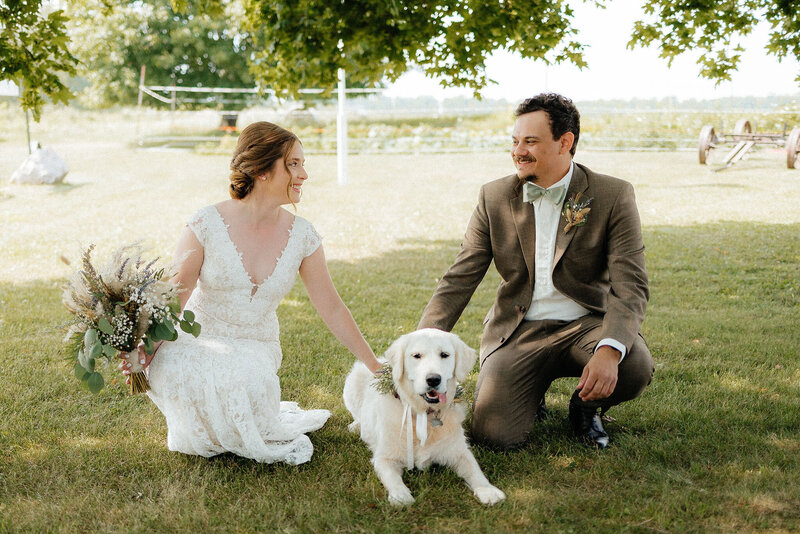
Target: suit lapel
{"x":578,"y":184}
{"x":525,"y":222}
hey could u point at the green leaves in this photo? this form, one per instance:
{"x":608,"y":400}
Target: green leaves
{"x":80,"y":372}
{"x":163,"y":332}
{"x":298,"y":42}
{"x":188,"y":323}
{"x":104,"y":326}
{"x":34,"y":53}
{"x":715,"y":29}
{"x":95,"y":382}
{"x":92,"y":379}
{"x":90,"y":338}
{"x":194,"y":44}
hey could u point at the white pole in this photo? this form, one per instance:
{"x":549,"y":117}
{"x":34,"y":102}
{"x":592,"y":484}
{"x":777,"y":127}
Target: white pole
{"x":341,"y":133}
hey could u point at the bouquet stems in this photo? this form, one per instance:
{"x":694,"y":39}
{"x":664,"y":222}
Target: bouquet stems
{"x":139,"y":383}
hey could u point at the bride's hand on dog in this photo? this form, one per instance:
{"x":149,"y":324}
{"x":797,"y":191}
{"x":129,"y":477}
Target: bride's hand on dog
{"x":144,"y":359}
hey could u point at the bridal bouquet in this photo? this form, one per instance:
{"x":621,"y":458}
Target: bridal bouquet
{"x":117,"y":306}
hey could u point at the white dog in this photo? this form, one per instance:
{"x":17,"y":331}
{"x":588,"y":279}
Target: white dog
{"x":419,"y":424}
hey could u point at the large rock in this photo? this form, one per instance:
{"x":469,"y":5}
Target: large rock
{"x":43,"y":166}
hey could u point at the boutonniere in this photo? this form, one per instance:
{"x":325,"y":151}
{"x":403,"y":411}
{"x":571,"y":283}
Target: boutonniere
{"x":576,"y":211}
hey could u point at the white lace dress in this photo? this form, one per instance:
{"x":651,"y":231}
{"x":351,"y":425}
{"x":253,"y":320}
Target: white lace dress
{"x":220,"y":392}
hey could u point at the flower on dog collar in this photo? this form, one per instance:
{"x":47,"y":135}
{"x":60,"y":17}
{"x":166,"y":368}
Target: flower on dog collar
{"x":576,"y":212}
{"x":384,"y":383}
{"x":383,"y":380}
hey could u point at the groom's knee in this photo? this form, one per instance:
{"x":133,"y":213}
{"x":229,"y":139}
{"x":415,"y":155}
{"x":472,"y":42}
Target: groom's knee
{"x":635,"y":372}
{"x":494,"y":426}
{"x":497,"y":439}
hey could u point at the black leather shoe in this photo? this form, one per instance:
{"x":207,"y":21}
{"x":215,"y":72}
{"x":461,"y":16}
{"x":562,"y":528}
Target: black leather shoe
{"x":541,"y":411}
{"x":586,"y":423}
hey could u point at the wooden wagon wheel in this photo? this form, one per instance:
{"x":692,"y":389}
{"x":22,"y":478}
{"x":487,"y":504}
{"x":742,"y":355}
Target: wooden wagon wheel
{"x":743,"y":126}
{"x":793,"y":149}
{"x":706,"y":142}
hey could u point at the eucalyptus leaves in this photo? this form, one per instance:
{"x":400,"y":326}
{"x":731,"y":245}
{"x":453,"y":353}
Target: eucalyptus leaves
{"x":125,"y":302}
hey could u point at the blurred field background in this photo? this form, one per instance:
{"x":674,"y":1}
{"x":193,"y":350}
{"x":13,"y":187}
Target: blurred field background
{"x":711,"y":446}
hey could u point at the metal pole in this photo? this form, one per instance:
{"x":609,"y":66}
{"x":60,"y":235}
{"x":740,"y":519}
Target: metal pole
{"x":27,"y":121}
{"x":341,"y":132}
{"x":139,"y":106}
{"x":141,"y":84}
{"x":28,"y":131}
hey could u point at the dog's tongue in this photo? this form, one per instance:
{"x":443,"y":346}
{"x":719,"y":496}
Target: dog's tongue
{"x":442,"y":397}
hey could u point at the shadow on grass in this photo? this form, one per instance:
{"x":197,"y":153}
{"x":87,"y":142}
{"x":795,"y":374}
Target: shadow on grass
{"x":720,"y":417}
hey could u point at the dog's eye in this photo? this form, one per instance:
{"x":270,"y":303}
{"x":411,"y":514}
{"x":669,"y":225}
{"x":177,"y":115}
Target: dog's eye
{"x":444,"y":355}
{"x":417,"y":355}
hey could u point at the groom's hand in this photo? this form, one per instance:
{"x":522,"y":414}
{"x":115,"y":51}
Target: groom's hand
{"x":599,"y":377}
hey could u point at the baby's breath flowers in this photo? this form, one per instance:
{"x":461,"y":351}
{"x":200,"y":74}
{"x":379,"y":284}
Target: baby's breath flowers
{"x":116,"y":307}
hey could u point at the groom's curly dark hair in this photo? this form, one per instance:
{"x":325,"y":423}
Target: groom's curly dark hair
{"x":564,"y":116}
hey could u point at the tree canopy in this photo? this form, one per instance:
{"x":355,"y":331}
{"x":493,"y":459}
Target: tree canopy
{"x":302,"y":43}
{"x":715,"y":28}
{"x":114,"y":38}
{"x":33,"y":52}
{"x":292,"y":44}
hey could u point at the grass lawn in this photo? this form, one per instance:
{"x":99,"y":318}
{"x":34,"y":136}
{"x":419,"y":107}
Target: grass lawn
{"x":713,"y":445}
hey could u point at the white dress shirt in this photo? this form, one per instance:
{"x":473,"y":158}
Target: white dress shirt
{"x":548,"y":302}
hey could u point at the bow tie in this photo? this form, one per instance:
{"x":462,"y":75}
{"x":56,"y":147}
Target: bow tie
{"x":532,"y":192}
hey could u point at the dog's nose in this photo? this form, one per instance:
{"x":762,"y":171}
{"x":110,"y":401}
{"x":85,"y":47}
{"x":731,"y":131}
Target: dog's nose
{"x":433,"y":380}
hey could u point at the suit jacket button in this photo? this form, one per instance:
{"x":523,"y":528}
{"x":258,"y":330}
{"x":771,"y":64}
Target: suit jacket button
{"x":502,"y":340}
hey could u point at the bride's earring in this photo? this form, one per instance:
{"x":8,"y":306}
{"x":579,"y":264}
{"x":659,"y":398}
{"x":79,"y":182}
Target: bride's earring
{"x":263,"y":177}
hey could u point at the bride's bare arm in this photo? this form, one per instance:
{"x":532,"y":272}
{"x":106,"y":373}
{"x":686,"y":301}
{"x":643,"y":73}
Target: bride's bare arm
{"x":334,"y":312}
{"x":188,"y":271}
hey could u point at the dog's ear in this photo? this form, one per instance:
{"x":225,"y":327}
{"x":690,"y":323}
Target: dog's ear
{"x":394,"y":355}
{"x":465,"y":358}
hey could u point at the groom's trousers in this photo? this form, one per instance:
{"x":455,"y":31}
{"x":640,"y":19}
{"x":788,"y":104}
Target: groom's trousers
{"x":514,"y":378}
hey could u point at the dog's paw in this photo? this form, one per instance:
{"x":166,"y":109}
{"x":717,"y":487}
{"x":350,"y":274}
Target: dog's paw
{"x":401,"y":497}
{"x":354,"y":427}
{"x":489,"y":495}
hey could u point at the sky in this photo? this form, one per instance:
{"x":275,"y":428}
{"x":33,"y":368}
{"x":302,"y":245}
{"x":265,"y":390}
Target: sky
{"x":616,"y":72}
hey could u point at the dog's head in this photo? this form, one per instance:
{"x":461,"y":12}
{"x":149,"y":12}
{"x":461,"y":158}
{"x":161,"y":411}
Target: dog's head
{"x":428,"y":363}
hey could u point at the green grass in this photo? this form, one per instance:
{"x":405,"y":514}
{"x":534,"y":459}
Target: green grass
{"x":713,"y":445}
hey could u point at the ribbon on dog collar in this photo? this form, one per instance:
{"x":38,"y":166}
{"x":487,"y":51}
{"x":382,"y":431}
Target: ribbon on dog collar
{"x":422,"y":432}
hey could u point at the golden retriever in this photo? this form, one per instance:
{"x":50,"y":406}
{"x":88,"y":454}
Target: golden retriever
{"x":419,"y":424}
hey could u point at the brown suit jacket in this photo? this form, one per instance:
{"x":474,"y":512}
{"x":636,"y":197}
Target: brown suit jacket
{"x":599,"y":265}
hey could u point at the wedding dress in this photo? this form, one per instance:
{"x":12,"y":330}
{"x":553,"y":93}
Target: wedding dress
{"x":220,"y":392}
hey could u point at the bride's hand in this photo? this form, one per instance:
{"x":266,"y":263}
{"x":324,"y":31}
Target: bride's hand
{"x":144,"y":359}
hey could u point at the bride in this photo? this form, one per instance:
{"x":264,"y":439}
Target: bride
{"x":220,"y":392}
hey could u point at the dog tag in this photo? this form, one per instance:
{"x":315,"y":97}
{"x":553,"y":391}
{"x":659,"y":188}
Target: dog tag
{"x":435,"y":421}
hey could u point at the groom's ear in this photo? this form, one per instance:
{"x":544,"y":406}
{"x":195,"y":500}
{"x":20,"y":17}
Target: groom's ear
{"x":395,"y":357}
{"x":465,"y":358}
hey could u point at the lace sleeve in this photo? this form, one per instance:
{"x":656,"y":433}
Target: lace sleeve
{"x":199,"y":224}
{"x":311,"y":240}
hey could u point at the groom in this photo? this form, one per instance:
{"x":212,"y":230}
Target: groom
{"x":567,"y":243}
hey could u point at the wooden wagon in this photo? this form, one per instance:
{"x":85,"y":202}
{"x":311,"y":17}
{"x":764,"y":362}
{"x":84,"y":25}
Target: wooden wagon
{"x":745,"y":137}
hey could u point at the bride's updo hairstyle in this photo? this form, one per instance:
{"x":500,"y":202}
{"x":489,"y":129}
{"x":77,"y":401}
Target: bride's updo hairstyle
{"x":261,"y":145}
